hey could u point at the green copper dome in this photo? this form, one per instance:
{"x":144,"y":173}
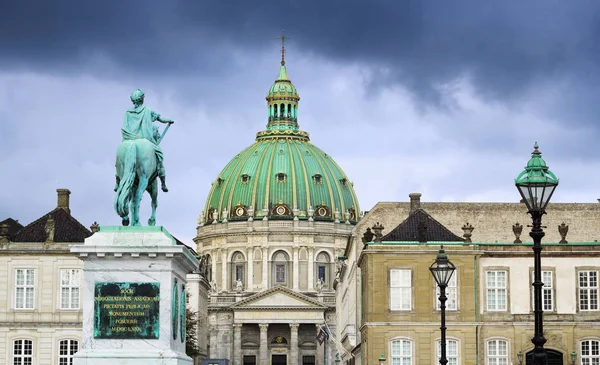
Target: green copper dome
{"x":282,"y":175}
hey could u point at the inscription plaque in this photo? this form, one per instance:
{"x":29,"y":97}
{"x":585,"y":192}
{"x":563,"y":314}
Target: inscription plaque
{"x":126,"y":310}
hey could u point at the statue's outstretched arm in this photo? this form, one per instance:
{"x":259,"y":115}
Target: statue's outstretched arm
{"x":165,"y":120}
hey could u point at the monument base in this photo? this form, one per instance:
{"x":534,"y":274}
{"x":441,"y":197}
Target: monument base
{"x":134,"y":297}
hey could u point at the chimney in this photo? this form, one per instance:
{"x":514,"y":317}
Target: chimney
{"x":415,"y":201}
{"x":63,"y":199}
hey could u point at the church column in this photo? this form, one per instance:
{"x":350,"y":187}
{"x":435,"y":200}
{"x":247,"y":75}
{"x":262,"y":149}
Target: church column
{"x":237,"y":344}
{"x":296,"y":271}
{"x":250,"y":270}
{"x":311,"y":252}
{"x":265,"y":270}
{"x":263,"y":354}
{"x":294,"y":343}
{"x":224,"y":275}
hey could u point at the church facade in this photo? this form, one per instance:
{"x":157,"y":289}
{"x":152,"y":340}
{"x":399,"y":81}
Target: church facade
{"x":276,"y":219}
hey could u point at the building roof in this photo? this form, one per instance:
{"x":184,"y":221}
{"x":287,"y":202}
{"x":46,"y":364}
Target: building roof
{"x":66,"y":229}
{"x":421,"y":227}
{"x":282,"y":174}
{"x":13,"y":226}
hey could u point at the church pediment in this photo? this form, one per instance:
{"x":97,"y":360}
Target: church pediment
{"x":279,"y":297}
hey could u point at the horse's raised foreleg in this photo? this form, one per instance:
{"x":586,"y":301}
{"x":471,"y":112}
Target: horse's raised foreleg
{"x":135,"y":208}
{"x":153,"y":191}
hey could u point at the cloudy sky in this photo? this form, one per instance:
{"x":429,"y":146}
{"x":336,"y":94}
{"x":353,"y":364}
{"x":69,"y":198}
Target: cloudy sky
{"x":445,"y":98}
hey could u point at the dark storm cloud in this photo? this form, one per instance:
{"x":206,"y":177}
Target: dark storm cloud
{"x":505,"y":46}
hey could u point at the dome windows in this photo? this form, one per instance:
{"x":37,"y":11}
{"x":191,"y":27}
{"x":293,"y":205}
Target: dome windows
{"x":322,"y":211}
{"x":318,"y":178}
{"x":343,"y":181}
{"x":245,"y":178}
{"x":239,"y":211}
{"x":281,"y":177}
{"x":281,"y":209}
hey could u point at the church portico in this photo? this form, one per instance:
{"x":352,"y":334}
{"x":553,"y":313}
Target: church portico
{"x":270,"y":327}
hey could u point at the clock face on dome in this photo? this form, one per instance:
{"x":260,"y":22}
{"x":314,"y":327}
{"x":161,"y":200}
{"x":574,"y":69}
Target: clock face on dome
{"x":280,"y":210}
{"x":240,"y":211}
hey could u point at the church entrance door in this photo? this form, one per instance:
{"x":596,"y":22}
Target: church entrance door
{"x":279,"y":360}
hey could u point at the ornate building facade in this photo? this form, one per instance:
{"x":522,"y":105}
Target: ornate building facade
{"x":391,"y":295}
{"x":276,"y":219}
{"x":40,"y":281}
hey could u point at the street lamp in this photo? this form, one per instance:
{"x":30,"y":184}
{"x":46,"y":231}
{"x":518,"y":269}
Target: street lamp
{"x":536,"y":185}
{"x":520,"y":356}
{"x":442,"y":270}
{"x":573,"y":357}
{"x":382,"y":359}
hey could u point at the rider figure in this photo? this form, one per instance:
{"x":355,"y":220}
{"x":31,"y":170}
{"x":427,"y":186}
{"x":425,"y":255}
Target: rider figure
{"x":138,"y":124}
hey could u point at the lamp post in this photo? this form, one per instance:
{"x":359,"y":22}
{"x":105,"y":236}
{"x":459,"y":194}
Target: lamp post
{"x":536,"y":185}
{"x":382,"y":359}
{"x":573,"y":357}
{"x":520,"y":356}
{"x":442,"y":270}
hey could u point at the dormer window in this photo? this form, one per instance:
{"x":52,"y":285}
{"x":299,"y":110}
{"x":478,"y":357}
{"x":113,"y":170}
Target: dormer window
{"x":318,"y":178}
{"x":220,"y":181}
{"x":245,"y":178}
{"x":281,"y":177}
{"x":344,"y":181}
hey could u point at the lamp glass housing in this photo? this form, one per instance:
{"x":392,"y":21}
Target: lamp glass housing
{"x":536,"y":183}
{"x":442,"y":269}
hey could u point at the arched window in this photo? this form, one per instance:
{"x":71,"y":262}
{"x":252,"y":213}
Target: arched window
{"x":282,"y":110}
{"x":451,"y":351}
{"x":322,"y":269}
{"x":66,"y":350}
{"x":275,"y":111}
{"x":590,"y":352}
{"x":496,"y":352}
{"x":401,"y":351}
{"x":280,"y":268}
{"x":289,"y":111}
{"x":238,"y":269}
{"x":22,"y":352}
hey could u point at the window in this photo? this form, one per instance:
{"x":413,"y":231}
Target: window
{"x":279,"y":268}
{"x":22,"y":352}
{"x":69,"y":289}
{"x":590,"y":352}
{"x":451,"y":351}
{"x":588,"y":290}
{"x":496,"y":290}
{"x":24,"y":288}
{"x":280,"y":273}
{"x":322,"y":268}
{"x":400,"y":289}
{"x":401,"y":352}
{"x":547,"y":290}
{"x":238,"y":269}
{"x":452,"y":302}
{"x":66,"y":350}
{"x":497,"y":352}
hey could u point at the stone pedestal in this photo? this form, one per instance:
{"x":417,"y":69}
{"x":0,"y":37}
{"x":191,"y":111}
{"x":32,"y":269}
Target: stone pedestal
{"x":134,"y":282}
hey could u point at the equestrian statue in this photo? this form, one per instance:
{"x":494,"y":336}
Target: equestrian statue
{"x":139,"y":161}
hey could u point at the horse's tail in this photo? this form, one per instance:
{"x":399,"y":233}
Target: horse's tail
{"x":125,"y":188}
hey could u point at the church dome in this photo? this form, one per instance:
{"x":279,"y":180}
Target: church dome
{"x":282,"y":175}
